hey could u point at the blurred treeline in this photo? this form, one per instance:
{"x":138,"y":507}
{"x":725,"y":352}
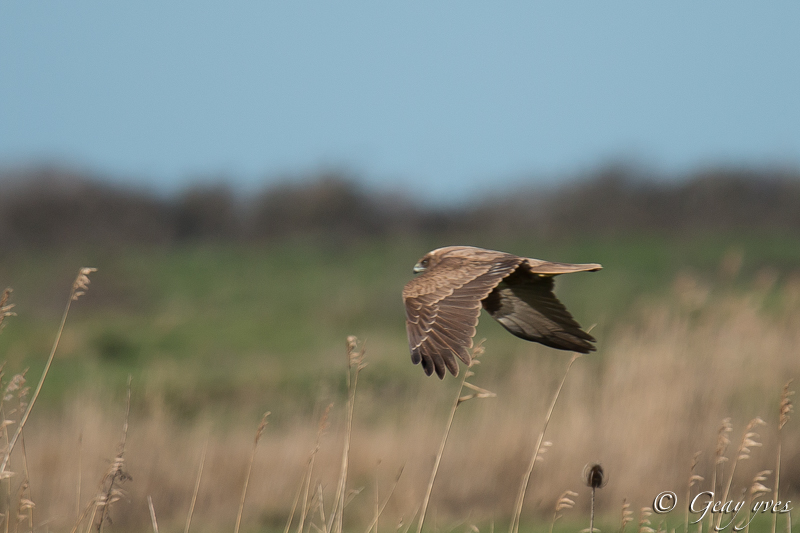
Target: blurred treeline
{"x":54,"y":206}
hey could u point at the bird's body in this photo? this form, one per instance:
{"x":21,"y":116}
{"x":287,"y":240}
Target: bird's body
{"x":444,"y":302}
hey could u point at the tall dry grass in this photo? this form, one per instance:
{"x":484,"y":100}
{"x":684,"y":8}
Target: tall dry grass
{"x":643,"y":407}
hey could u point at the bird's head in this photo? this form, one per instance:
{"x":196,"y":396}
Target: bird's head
{"x":424,"y":263}
{"x":433,"y":258}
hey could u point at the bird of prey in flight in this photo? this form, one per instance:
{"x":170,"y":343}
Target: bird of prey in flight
{"x":444,"y":301}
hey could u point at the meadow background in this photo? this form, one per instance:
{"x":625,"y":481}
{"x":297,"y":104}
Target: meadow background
{"x":222,"y":306}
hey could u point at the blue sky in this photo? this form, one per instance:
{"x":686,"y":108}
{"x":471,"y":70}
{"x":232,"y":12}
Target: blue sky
{"x":445,"y":99}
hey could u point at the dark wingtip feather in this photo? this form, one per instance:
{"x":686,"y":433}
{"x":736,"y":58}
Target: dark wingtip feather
{"x":579,"y":345}
{"x":585,"y":349}
{"x":429,"y":364}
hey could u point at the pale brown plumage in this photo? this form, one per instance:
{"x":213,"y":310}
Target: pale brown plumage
{"x":443,"y":304}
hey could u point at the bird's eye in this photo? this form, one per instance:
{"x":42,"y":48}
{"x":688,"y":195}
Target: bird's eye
{"x":424,"y":262}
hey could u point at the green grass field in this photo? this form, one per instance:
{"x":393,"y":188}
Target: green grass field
{"x":238,"y":319}
{"x":214,"y":335}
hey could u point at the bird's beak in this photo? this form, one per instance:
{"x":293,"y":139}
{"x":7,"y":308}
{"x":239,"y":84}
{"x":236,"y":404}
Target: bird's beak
{"x":418,"y":268}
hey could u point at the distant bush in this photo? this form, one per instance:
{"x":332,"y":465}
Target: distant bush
{"x":51,"y":206}
{"x":623,"y":200}
{"x":328,"y":204}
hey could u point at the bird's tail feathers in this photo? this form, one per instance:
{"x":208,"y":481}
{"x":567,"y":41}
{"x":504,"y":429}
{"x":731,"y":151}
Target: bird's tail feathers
{"x":537,"y":266}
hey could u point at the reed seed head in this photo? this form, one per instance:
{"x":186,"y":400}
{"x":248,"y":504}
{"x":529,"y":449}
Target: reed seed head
{"x":566,"y":501}
{"x":723,"y":440}
{"x":323,"y":421}
{"x":355,"y":355}
{"x":694,"y":478}
{"x":5,"y":307}
{"x":757,"y":489}
{"x":626,"y":517}
{"x":785,"y":409}
{"x":262,"y":426}
{"x":644,"y":520}
{"x":749,"y":439}
{"x":81,"y":283}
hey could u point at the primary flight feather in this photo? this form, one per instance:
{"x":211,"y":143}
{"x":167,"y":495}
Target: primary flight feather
{"x":444,"y":301}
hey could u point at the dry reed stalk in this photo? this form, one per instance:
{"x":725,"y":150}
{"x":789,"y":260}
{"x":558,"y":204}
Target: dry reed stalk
{"x":114,"y":475}
{"x":259,"y":432}
{"x":24,"y":500}
{"x":117,"y":471}
{"x":152,"y":514}
{"x":644,"y":520}
{"x":757,"y":489}
{"x":693,"y":478}
{"x":79,"y":287}
{"x":84,"y":513}
{"x":7,"y":517}
{"x":196,"y":487}
{"x":784,"y":410}
{"x":748,"y":441}
{"x":410,"y":521}
{"x":377,"y":499}
{"x":4,"y":423}
{"x":723,"y":440}
{"x":563,"y":503}
{"x":514,"y":527}
{"x":28,"y":501}
{"x":321,"y":504}
{"x":355,"y":364}
{"x":294,"y":504}
{"x":379,"y":510}
{"x":7,"y":475}
{"x":78,"y":476}
{"x":626,"y":516}
{"x":306,"y":480}
{"x":29,"y":505}
{"x":295,"y":501}
{"x":595,"y":479}
{"x":91,"y":518}
{"x":305,"y":487}
{"x":480,"y":393}
{"x":23,"y":505}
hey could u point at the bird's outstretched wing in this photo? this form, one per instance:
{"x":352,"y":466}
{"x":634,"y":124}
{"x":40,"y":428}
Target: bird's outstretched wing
{"x":443,"y":305}
{"x":525,"y":305}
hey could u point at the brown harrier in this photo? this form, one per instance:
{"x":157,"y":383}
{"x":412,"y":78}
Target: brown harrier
{"x":444,"y":301}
